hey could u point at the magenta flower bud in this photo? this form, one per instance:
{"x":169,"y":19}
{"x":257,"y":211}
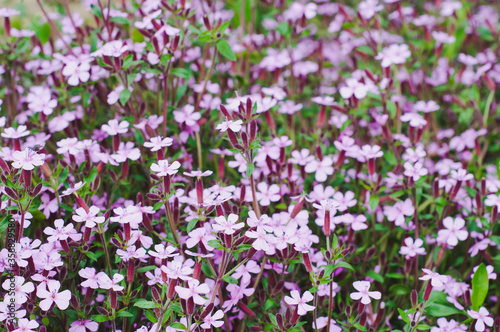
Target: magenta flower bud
{"x":207,"y":22}
{"x":321,"y":117}
{"x":244,"y":140}
{"x":207,"y":310}
{"x":467,"y":299}
{"x":225,"y":112}
{"x":371,"y":166}
{"x":171,"y":288}
{"x":131,"y":270}
{"x":362,"y":319}
{"x":197,"y":269}
{"x":253,"y":130}
{"x":361,"y":307}
{"x":190,"y":306}
{"x":279,"y":320}
{"x":327,"y":223}
{"x":199,"y":190}
{"x":251,"y":252}
{"x":113,"y":299}
{"x":380,"y":315}
{"x":494,"y":214}
{"x":427,"y":291}
{"x":88,"y":295}
{"x":42,"y":329}
{"x":26,"y":178}
{"x":307,"y":261}
{"x":127,"y":229}
{"x":86,"y":235}
{"x":295,"y":316}
{"x":166,"y":184}
{"x":414,"y":298}
{"x":497,"y":323}
{"x":232,"y":137}
{"x":4,"y":166}
{"x":65,"y":245}
{"x":246,"y":309}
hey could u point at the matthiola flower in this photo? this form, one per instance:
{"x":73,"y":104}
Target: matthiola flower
{"x":229,"y":225}
{"x":363,"y":292}
{"x":51,"y":295}
{"x":482,"y":318}
{"x":300,"y":301}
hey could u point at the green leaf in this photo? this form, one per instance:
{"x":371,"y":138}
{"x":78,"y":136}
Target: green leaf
{"x":145,"y":304}
{"x":124,"y":314}
{"x":438,"y":305}
{"x":100,"y":318}
{"x":375,"y":276}
{"x":404,"y":316}
{"x":230,"y":280}
{"x":91,"y":255}
{"x":178,"y":325}
{"x":125,"y":96}
{"x":250,"y":169}
{"x":181,"y":72}
{"x":480,"y":285}
{"x":373,"y":202}
{"x":225,"y":49}
{"x":191,"y":225}
{"x":399,"y":289}
{"x":120,"y":20}
{"x":214,"y":244}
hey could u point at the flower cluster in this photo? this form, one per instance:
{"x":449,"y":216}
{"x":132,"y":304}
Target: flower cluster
{"x":247,"y":165}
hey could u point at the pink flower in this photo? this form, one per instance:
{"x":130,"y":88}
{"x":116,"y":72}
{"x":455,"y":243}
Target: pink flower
{"x":229,"y":225}
{"x":300,"y":302}
{"x":105,"y":282}
{"x":90,"y":217}
{"x":83,"y":325}
{"x":26,"y":325}
{"x":267,"y":194}
{"x":90,"y":274}
{"x":344,"y":201}
{"x":481,"y":318}
{"x":399,"y":211}
{"x":194,"y":290}
{"x":394,"y":54}
{"x":415,"y":171}
{"x":21,"y":290}
{"x":51,"y":295}
{"x":490,"y":269}
{"x":412,"y":249}
{"x":187,"y":116}
{"x":235,"y":126}
{"x":213,"y":320}
{"x":437,"y":280}
{"x":199,"y":235}
{"x":321,"y":168}
{"x":15,"y":133}
{"x":156,"y":143}
{"x":114,"y":128}
{"x":27,"y":159}
{"x":454,"y":231}
{"x":363,"y":293}
{"x":163,"y":168}
{"x":353,"y":88}
{"x":77,"y":72}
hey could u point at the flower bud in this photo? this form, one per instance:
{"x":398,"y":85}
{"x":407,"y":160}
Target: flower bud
{"x":428,"y":290}
{"x":207,"y":310}
{"x":414,"y":298}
